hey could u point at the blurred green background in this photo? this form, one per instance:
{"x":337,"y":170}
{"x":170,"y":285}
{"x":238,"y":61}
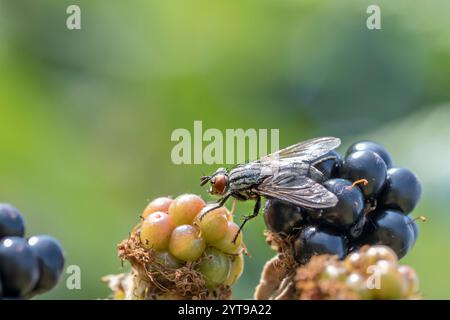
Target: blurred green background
{"x":86,"y":116}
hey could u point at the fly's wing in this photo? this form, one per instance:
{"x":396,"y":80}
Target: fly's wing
{"x":298,"y":190}
{"x":306,"y":150}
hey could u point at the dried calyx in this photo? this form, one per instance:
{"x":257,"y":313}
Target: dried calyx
{"x":372,"y":272}
{"x":176,"y":255}
{"x":159,"y":276}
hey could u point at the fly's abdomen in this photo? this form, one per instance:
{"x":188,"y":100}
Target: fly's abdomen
{"x":245,"y":176}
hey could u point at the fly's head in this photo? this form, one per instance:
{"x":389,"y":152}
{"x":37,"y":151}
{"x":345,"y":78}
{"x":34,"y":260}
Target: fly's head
{"x":219,"y":182}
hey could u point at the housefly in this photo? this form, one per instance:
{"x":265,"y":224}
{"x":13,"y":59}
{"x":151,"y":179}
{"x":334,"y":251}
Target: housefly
{"x":288,"y":175}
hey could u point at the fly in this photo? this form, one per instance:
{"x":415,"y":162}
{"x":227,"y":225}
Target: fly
{"x":288,"y":175}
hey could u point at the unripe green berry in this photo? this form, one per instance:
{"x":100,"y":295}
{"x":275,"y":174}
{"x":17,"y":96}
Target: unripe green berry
{"x":333,"y":272}
{"x":378,"y":253}
{"x":186,"y":243}
{"x":410,"y":279}
{"x":391,"y":285}
{"x":359,"y":285}
{"x":185,"y":208}
{"x":215,"y":267}
{"x":213,"y":225}
{"x":156,"y":231}
{"x":226,"y":243}
{"x":161,"y":204}
{"x":355,"y":261}
{"x":237,"y":267}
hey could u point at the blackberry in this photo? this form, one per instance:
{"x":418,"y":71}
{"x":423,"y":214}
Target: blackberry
{"x":27,"y":268}
{"x":367,"y":145}
{"x":350,"y":204}
{"x":12,"y":223}
{"x":282,"y":217}
{"x":51,"y":261}
{"x":329,"y":168}
{"x":391,"y":228}
{"x":314,"y":240}
{"x":402,"y":190}
{"x":19,"y":267}
{"x":368,"y":166}
{"x":415,"y":229}
{"x":374,"y":199}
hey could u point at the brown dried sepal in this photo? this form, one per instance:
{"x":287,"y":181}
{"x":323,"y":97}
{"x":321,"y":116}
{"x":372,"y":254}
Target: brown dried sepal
{"x":283,"y":245}
{"x":277,"y":277}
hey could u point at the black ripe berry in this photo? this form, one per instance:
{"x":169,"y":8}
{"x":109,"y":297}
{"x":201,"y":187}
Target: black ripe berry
{"x":374,"y":200}
{"x":11,"y":222}
{"x":282,"y":217}
{"x":402,"y":190}
{"x":51,"y":261}
{"x":314,"y":240}
{"x":330,"y":166}
{"x":371,"y":146}
{"x":350,"y":204}
{"x":19,"y":267}
{"x":390,"y":228}
{"x":365,"y":165}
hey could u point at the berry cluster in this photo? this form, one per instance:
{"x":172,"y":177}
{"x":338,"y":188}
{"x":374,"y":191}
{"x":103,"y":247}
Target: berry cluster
{"x":371,"y":273}
{"x":173,"y":229}
{"x":374,"y":200}
{"x":27,"y":266}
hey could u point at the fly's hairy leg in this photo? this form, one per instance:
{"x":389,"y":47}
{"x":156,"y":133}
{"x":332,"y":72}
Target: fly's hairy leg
{"x":249,"y":217}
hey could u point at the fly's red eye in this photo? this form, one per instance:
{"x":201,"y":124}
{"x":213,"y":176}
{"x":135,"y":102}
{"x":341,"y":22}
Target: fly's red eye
{"x":219,"y":184}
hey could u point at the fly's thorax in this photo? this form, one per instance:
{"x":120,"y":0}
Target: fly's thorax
{"x":245,"y":176}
